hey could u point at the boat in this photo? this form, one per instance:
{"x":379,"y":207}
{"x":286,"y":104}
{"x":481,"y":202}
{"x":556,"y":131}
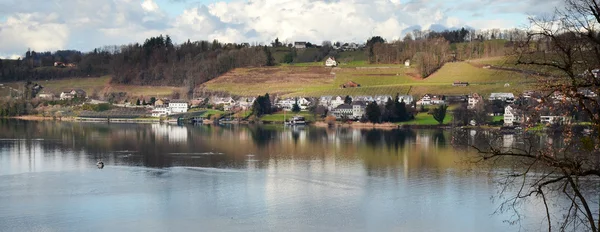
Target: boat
{"x":297,"y":120}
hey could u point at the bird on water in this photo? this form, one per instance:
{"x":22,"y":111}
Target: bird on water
{"x":100,"y":164}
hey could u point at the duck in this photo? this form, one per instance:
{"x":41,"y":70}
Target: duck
{"x":100,"y":164}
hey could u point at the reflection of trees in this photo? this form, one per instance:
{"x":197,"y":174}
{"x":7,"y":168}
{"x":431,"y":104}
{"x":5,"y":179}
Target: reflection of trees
{"x":262,"y":136}
{"x":397,"y":139}
{"x":439,"y":138}
{"x":372,"y":137}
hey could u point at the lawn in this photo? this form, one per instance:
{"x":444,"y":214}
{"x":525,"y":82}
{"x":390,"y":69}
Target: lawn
{"x":210,"y":112}
{"x":279,"y":116}
{"x":498,"y":118}
{"x":424,"y":119}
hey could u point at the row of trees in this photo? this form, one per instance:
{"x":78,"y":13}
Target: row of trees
{"x":392,"y":111}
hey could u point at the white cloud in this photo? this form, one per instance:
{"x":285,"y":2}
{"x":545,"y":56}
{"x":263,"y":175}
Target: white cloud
{"x":83,"y":24}
{"x":36,"y":31}
{"x":150,"y":6}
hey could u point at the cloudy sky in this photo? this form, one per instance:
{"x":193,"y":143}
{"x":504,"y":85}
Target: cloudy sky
{"x":85,"y":24}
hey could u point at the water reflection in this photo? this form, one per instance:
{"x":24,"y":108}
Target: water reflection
{"x":240,"y":178}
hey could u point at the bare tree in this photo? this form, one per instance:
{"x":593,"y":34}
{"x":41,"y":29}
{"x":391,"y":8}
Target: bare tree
{"x":568,"y":43}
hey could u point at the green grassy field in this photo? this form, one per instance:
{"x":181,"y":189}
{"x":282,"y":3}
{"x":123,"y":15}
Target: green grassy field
{"x":210,"y":112}
{"x":312,"y":79}
{"x":279,"y":116}
{"x":424,"y":119}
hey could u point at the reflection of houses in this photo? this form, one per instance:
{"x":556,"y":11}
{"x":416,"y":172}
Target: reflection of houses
{"x":474,"y":99}
{"x":174,"y":134}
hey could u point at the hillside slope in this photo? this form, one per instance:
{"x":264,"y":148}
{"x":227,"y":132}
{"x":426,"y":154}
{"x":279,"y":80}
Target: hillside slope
{"x":374,"y":80}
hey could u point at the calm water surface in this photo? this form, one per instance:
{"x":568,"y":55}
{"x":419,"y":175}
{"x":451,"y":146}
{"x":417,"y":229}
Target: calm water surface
{"x":211,"y":178}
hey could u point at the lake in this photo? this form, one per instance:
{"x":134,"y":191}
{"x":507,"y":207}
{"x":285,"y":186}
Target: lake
{"x":244,"y":178}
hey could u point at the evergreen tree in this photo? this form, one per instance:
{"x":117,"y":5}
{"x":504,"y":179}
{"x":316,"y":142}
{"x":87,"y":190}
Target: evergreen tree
{"x":348,"y":100}
{"x":144,"y":102}
{"x":152,"y":100}
{"x":137,"y":102}
{"x":373,"y":112}
{"x":270,"y":59}
{"x":440,"y":113}
{"x":296,"y":107}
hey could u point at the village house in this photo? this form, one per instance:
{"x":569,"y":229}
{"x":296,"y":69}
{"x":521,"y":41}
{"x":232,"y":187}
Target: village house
{"x":406,"y":98}
{"x":456,"y":99}
{"x":336,"y":102}
{"x":438,"y":100}
{"x":349,"y":84}
{"x":407,"y":63}
{"x":425,"y":100}
{"x":382,"y":99}
{"x":159,"y":102}
{"x":245,"y":103}
{"x":325,"y":101}
{"x":299,"y":45}
{"x":554,"y":119}
{"x":342,"y":111}
{"x":222,"y":100}
{"x":330,"y":62}
{"x":59,"y":64}
{"x":473,"y":100}
{"x":350,"y":111}
{"x":512,"y":115}
{"x":285,"y":104}
{"x":160,"y":111}
{"x":66,"y":96}
{"x":178,"y":106}
{"x":46,"y":96}
{"x":363,"y":98}
{"x":506,"y":97}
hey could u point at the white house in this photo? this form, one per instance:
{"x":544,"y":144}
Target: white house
{"x":178,"y":106}
{"x":507,"y":97}
{"x":437,"y":100}
{"x":358,"y":109}
{"x":246,"y":102}
{"x":336,"y":102}
{"x":474,"y":99}
{"x":286,"y":104}
{"x":406,"y":98}
{"x":330,"y":62}
{"x":48,"y":96}
{"x":425,"y":100}
{"x":325,"y":101}
{"x":382,"y":99}
{"x":299,"y":45}
{"x":553,"y":119}
{"x":66,"y":96}
{"x":343,"y":110}
{"x":511,"y":116}
{"x":407,"y":63}
{"x":160,"y":111}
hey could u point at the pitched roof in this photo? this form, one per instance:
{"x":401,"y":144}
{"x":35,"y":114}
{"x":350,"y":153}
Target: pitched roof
{"x":178,"y":101}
